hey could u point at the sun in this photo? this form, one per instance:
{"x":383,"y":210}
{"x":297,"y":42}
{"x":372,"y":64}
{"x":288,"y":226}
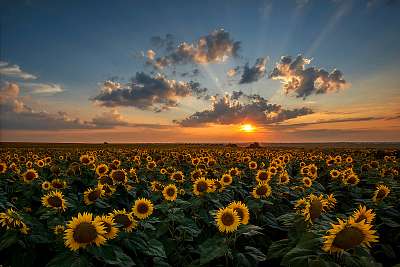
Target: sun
{"x":247,"y":128}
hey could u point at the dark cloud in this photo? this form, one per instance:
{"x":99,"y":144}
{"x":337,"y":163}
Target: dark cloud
{"x":168,"y":42}
{"x":146,"y":92}
{"x":193,"y":73}
{"x":238,"y":107}
{"x":254,"y":73}
{"x":215,"y":47}
{"x":302,"y":81}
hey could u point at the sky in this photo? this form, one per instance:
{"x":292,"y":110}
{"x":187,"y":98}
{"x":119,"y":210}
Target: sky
{"x":197,"y":71}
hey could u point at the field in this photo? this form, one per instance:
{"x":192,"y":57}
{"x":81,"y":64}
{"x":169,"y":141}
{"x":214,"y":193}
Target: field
{"x":192,"y":205}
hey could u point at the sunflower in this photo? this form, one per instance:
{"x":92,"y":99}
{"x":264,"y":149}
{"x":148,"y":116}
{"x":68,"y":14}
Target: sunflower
{"x":124,"y":219}
{"x":363,"y":214}
{"x":226,"y":179}
{"x":85,"y":159}
{"x":55,"y":200}
{"x":381,"y":192}
{"x":82,"y":231}
{"x":331,"y":201}
{"x":142,"y":208}
{"x":11,"y":220}
{"x":284,"y":178}
{"x":352,"y":180}
{"x":46,"y":185}
{"x":227,"y":220}
{"x":59,"y":229}
{"x":3,"y":167}
{"x":105,"y":180}
{"x":30,"y":175}
{"x":307,"y":182}
{"x":156,"y":186}
{"x":101,"y":169}
{"x":347,"y":235}
{"x":119,"y":176}
{"x":334,"y":174}
{"x":177,"y":176}
{"x":253,"y":165}
{"x":91,"y":195}
{"x":40,"y":163}
{"x":261,"y":190}
{"x":58,"y":184}
{"x":170,"y":192}
{"x":201,"y":186}
{"x":263,"y":176}
{"x":151,"y":165}
{"x":234,"y":171}
{"x":314,"y":207}
{"x":241,"y":210}
{"x":109,"y":226}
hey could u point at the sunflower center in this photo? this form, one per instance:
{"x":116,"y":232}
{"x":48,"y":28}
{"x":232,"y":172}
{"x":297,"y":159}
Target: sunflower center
{"x":202,"y":186}
{"x":170,"y":192}
{"x":102,"y":169}
{"x":92,"y":196}
{"x":123,"y":220}
{"x":119,"y":176}
{"x":352,"y":180}
{"x":142,"y":208}
{"x":262,"y":190}
{"x":55,"y":201}
{"x":227,"y":179}
{"x":227,"y":219}
{"x":316,"y":209}
{"x":57,"y":185}
{"x":30,"y":175}
{"x":349,"y":237}
{"x":106,"y":180}
{"x":85,"y":160}
{"x":85,"y":233}
{"x":263,"y":176}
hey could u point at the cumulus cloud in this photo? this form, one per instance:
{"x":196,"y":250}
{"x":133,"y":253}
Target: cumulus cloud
{"x":233,"y":71}
{"x":302,"y":81}
{"x":146,"y":92}
{"x":215,"y":47}
{"x":150,"y":54}
{"x":254,"y":73}
{"x":15,"y":114}
{"x":238,"y":107}
{"x":109,"y":119}
{"x":14,"y":71}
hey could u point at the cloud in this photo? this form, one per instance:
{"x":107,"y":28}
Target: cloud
{"x":233,"y":71}
{"x":191,"y":74}
{"x":109,"y":119}
{"x":14,"y":71}
{"x":167,"y":42}
{"x":146,"y":92}
{"x":338,"y":120}
{"x":215,"y":47}
{"x":150,"y":54}
{"x":302,"y":81}
{"x":42,"y":88}
{"x":15,"y":114}
{"x":239,"y":107}
{"x":253,"y":74}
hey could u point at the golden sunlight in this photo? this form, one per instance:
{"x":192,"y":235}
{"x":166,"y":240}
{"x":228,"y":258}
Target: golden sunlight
{"x":247,"y":128}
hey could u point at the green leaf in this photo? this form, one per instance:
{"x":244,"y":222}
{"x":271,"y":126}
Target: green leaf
{"x":255,"y":253}
{"x":155,"y":248}
{"x":8,"y":239}
{"x":250,"y":230}
{"x":212,"y":248}
{"x":298,"y":255}
{"x":278,"y":249}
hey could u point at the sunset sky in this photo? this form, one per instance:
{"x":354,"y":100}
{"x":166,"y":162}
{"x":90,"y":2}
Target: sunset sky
{"x":197,"y":71}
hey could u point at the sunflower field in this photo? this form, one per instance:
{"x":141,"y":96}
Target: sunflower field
{"x":198,"y":205}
